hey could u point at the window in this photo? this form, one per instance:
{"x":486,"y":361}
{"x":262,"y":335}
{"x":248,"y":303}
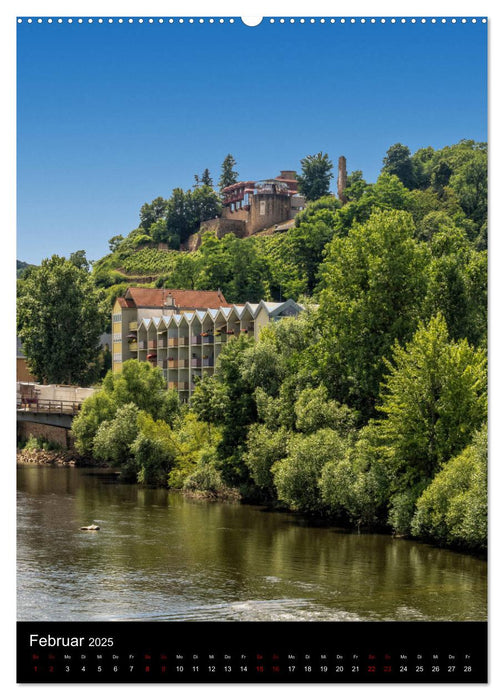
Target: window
{"x":117,"y":357}
{"x":116,"y":318}
{"x":262,"y":208}
{"x":117,"y":337}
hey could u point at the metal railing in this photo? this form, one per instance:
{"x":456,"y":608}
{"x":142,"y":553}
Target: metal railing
{"x":34,"y":404}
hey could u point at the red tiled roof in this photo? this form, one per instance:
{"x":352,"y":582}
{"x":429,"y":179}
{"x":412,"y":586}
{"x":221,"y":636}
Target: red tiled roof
{"x":182,"y":298}
{"x":125,"y":303}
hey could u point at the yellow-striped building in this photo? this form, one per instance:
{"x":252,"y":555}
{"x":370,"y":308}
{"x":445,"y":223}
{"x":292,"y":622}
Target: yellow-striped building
{"x":185,"y":343}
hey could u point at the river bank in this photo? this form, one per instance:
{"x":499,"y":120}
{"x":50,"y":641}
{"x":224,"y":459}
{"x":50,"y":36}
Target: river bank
{"x":161,"y":556}
{"x":63,"y":458}
{"x":70,"y":458}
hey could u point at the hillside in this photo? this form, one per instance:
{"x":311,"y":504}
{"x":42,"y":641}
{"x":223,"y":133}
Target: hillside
{"x":439,"y":189}
{"x":21,"y":267}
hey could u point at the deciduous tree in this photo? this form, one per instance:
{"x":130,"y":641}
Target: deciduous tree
{"x":315,"y":178}
{"x":60,"y":316}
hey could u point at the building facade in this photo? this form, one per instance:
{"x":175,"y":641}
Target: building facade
{"x":251,"y":206}
{"x":185,"y":344}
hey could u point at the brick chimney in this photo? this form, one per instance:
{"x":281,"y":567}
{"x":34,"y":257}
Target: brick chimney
{"x":342,"y":179}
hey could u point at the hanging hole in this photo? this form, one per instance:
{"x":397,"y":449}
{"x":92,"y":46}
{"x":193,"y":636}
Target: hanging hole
{"x":251,"y":21}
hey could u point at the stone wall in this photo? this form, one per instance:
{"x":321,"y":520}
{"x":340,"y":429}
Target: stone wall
{"x":223,"y":226}
{"x":46,"y":432}
{"x":266,"y":210}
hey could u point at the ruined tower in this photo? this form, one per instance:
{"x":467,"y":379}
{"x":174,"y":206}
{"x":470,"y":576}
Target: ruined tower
{"x":342,"y":178}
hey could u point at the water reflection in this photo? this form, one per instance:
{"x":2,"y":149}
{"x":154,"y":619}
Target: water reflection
{"x":161,"y":556}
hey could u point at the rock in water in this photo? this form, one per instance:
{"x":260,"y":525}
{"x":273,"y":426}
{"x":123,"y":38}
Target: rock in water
{"x":90,"y":527}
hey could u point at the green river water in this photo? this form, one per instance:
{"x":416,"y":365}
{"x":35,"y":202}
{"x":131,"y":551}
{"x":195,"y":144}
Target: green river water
{"x":161,"y":556}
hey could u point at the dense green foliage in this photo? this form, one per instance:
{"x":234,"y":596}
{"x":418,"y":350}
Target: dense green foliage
{"x":369,"y":408}
{"x":453,"y":508}
{"x":228,"y":175}
{"x":60,"y":316}
{"x":134,"y":424}
{"x":316,"y":175}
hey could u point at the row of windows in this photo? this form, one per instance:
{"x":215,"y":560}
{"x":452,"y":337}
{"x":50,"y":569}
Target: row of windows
{"x":116,"y":318}
{"x":117,"y":357}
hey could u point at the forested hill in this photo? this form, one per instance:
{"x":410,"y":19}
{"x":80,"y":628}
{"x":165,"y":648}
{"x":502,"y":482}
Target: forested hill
{"x":439,"y":189}
{"x":21,"y":267}
{"x":369,"y":409}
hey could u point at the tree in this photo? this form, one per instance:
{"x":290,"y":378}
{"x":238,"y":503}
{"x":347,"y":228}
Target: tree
{"x":150,"y":213}
{"x":79,"y":260}
{"x":356,"y":186}
{"x":144,"y":386}
{"x":296,"y":477}
{"x":453,"y":508}
{"x":179,"y":215}
{"x":139,"y":384}
{"x":316,"y":176}
{"x":228,"y":175}
{"x":204,"y":204}
{"x":434,"y":399}
{"x":114,"y":438}
{"x":205,"y":179}
{"x":226,"y":399}
{"x":398,"y":162}
{"x":471,"y":187}
{"x":60,"y":316}
{"x":115,"y":242}
{"x":374,"y":281}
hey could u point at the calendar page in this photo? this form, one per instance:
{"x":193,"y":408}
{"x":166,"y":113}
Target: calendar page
{"x":251,"y":349}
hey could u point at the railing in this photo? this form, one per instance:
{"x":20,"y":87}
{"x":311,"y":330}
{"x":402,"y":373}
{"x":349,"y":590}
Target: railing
{"x":34,"y":404}
{"x":152,"y":344}
{"x":133,"y":347}
{"x":133,"y":326}
{"x":142,"y":345}
{"x":162,"y":342}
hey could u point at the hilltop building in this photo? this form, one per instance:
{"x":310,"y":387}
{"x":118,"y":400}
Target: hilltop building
{"x":251,"y":206}
{"x":183,"y":331}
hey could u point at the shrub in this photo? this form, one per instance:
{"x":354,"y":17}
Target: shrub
{"x":154,"y":460}
{"x":297,"y":476}
{"x":453,"y":508}
{"x":205,"y":478}
{"x":114,"y":438}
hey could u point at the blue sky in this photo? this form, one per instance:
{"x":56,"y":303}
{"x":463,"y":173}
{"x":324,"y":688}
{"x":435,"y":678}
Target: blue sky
{"x":111,"y":116}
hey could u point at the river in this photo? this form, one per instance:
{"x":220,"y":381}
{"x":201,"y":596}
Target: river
{"x":161,"y":556}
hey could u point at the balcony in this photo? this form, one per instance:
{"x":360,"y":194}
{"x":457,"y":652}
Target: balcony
{"x":162,"y":342}
{"x":133,"y":326}
{"x":142,"y":345}
{"x":133,"y":347}
{"x":207,"y":339}
{"x":207,"y":362}
{"x":152,"y":344}
{"x":183,"y":341}
{"x":173,"y":342}
{"x":181,"y":386}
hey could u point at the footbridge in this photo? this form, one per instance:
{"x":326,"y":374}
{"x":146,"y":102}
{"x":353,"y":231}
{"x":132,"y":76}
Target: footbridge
{"x":47,"y":411}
